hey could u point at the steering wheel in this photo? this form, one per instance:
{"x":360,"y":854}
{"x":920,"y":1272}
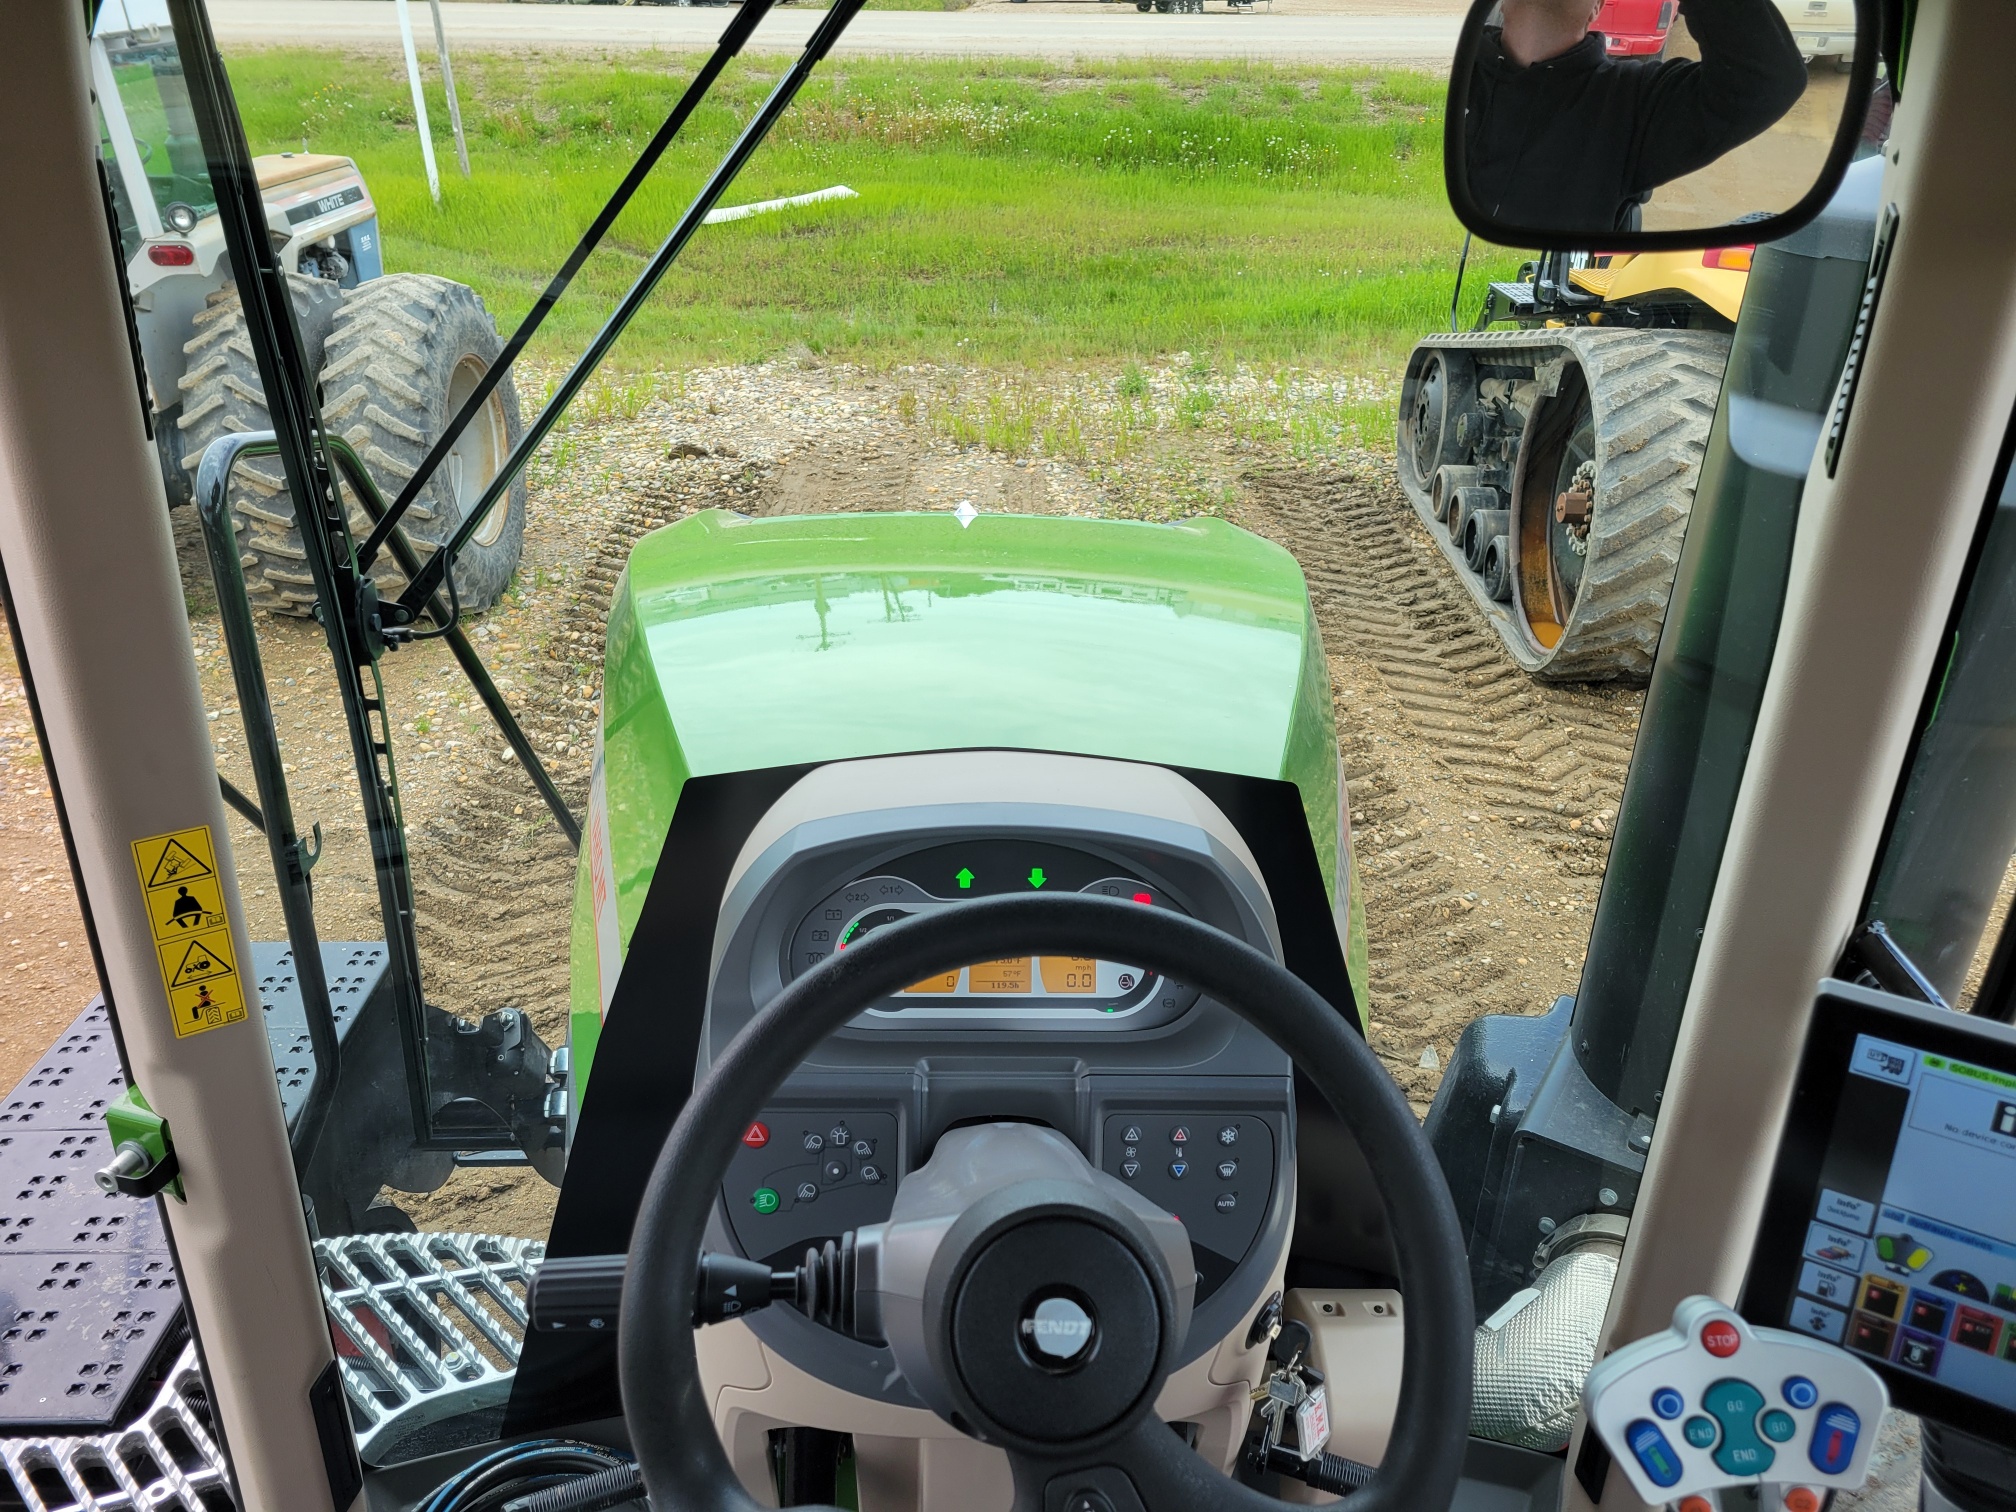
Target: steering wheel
{"x":1107,"y":1451}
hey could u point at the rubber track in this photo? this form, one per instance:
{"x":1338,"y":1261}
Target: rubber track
{"x":1654,"y":395}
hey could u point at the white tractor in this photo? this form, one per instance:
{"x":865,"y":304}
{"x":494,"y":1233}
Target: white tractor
{"x":395,"y":355}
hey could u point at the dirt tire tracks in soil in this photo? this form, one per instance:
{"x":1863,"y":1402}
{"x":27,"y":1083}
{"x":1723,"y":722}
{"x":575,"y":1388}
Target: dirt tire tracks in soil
{"x":1435,"y":724}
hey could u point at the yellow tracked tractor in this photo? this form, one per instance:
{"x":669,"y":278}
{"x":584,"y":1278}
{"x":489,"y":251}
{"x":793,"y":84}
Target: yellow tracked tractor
{"x":1552,"y":450}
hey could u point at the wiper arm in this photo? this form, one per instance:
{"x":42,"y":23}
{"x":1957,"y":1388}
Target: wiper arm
{"x":834,"y":23}
{"x":732,"y":41}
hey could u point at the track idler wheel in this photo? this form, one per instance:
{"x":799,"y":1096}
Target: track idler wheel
{"x":1438,"y":387}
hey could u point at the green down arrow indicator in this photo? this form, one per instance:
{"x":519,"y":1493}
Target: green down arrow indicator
{"x":1036,"y":877}
{"x":964,"y":877}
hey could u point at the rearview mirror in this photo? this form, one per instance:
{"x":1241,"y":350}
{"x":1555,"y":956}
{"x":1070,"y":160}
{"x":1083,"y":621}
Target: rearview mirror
{"x":1639,"y":125}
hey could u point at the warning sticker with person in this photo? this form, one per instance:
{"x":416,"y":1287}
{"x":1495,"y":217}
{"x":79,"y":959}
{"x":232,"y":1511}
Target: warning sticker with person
{"x":192,"y":933}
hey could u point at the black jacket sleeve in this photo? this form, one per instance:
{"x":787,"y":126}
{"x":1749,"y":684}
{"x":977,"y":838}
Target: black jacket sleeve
{"x":1749,"y":76}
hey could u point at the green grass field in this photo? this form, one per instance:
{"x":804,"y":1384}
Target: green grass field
{"x":1011,"y":212}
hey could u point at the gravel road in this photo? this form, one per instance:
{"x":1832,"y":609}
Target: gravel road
{"x":1424,"y":35}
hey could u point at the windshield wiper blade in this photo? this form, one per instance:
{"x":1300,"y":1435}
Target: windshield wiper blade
{"x":831,"y":26}
{"x":732,"y":41}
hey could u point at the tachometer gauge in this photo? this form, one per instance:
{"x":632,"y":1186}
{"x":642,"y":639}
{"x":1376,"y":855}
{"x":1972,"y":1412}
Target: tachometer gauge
{"x":863,"y":923}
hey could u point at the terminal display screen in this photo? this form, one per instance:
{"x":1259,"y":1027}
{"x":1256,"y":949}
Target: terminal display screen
{"x":1895,"y":1235}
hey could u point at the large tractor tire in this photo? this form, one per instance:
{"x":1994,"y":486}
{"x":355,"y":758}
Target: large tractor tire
{"x":394,"y":359}
{"x":221,"y":393}
{"x":1526,"y":416}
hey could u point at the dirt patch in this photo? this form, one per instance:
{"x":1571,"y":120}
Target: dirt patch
{"x":1481,"y":801}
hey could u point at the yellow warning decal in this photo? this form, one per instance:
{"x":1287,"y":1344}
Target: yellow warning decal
{"x":192,"y":934}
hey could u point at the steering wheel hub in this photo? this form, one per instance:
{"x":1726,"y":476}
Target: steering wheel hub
{"x":1053,"y":1313}
{"x":1058,"y":1330}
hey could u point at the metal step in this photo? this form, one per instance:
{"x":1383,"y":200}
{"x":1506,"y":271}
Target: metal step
{"x":427,"y":1326}
{"x":90,"y":1308}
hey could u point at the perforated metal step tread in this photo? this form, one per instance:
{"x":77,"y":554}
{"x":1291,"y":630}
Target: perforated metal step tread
{"x":90,"y":1308}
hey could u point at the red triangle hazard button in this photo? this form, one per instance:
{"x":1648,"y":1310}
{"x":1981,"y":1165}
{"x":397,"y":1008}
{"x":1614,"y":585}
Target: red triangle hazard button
{"x":756,"y":1136}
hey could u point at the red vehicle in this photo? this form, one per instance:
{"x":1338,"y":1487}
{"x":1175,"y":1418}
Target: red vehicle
{"x":1635,"y":28}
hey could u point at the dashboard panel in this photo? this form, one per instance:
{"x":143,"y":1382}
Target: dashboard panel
{"x":1159,"y":1086}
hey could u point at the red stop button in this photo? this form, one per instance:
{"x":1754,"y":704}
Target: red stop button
{"x":1720,"y":1338}
{"x":756,"y":1135}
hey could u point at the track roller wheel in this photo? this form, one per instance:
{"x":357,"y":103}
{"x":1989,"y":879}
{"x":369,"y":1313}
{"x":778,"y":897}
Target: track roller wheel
{"x":1449,"y":480}
{"x":1480,"y":528}
{"x":1497,"y":569}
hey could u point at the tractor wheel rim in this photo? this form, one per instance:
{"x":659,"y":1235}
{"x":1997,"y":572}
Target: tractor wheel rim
{"x":478,"y":452}
{"x":1564,"y":562}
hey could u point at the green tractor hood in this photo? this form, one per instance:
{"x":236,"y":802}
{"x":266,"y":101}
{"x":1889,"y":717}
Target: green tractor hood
{"x":738,"y":643}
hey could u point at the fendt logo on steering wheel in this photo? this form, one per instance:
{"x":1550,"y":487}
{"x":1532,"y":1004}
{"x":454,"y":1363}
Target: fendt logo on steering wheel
{"x":1058,"y":1329}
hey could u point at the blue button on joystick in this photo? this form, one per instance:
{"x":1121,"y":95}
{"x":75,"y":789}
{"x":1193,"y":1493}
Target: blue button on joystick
{"x":1835,"y":1432}
{"x":1662,"y":1465}
{"x":1799,"y":1392}
{"x":1668,"y":1403}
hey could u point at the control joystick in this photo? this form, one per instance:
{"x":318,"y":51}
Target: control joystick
{"x":1713,"y":1404}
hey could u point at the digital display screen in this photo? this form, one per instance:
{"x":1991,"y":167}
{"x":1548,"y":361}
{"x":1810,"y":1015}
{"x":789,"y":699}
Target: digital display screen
{"x":1068,"y":973}
{"x":1060,"y":987}
{"x":1907,"y":1234}
{"x":999,"y":976}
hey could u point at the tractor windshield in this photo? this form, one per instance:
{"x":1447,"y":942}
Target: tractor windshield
{"x":992,"y":420}
{"x":150,"y":108}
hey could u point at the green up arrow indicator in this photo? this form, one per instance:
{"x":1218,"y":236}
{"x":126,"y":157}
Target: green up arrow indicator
{"x":964,"y":877}
{"x":1036,"y":877}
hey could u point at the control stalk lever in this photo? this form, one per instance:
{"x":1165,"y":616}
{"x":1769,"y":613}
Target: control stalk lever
{"x":1322,"y":1471}
{"x":584,"y":1293}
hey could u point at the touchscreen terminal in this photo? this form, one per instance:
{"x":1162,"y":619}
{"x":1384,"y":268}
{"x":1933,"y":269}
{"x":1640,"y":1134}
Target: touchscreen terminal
{"x":1890,"y":1227}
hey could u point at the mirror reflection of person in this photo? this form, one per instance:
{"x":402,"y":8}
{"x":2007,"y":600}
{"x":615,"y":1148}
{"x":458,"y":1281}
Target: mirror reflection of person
{"x":1560,"y":136}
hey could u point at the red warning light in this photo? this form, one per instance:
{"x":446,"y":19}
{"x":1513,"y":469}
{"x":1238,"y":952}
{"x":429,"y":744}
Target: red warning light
{"x":1144,"y":898}
{"x":756,"y":1136}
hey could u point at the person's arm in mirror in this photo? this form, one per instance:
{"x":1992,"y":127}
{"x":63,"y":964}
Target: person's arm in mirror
{"x":1750,"y":74}
{"x":1560,"y":136}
